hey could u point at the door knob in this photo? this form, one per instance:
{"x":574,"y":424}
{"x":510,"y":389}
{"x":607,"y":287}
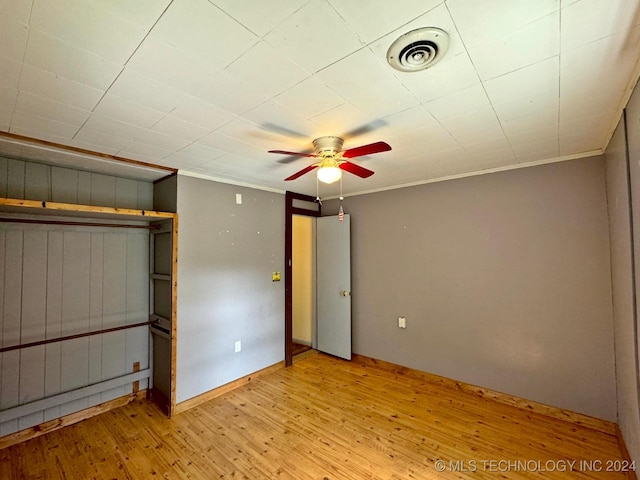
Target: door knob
{"x":345,"y":293}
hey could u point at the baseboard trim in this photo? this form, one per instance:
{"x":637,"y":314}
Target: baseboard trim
{"x":216,"y":392}
{"x":631,"y":475}
{"x":61,"y":422}
{"x":581,"y":419}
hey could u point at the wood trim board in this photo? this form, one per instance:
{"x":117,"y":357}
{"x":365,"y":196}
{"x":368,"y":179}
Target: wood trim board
{"x":518,"y":402}
{"x":291,"y":210}
{"x":70,"y":419}
{"x":216,"y":392}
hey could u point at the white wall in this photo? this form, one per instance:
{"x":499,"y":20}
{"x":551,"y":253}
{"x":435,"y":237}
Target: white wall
{"x":226,"y":256}
{"x":504,"y":280}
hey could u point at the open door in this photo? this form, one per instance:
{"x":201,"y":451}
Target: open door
{"x":333,"y":285}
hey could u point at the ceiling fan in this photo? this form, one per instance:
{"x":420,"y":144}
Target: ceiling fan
{"x":333,"y":159}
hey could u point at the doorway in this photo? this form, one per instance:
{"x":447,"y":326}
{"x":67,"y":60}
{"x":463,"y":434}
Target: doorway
{"x":325,"y":297}
{"x":303,"y":274}
{"x":296,"y":207}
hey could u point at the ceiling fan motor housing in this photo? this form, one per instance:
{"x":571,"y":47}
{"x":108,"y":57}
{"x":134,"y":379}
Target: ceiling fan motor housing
{"x":328,"y":146}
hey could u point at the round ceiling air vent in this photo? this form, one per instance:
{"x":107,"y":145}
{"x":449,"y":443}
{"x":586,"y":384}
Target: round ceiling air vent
{"x":418,"y":49}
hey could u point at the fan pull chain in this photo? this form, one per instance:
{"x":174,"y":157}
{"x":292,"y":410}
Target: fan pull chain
{"x":340,"y":210}
{"x":318,"y":191}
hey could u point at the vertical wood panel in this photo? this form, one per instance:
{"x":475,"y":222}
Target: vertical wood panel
{"x":33,"y":325}
{"x":145,"y":195}
{"x":114,"y":309}
{"x":4,"y":166}
{"x":53,"y":356}
{"x":64,"y":280}
{"x":11,"y":325}
{"x":75,"y":315}
{"x":64,"y":185}
{"x":15,"y":178}
{"x":137,"y":340}
{"x":126,"y":193}
{"x":37,"y":184}
{"x":84,"y":188}
{"x":103,"y":190}
{"x":95,"y":312}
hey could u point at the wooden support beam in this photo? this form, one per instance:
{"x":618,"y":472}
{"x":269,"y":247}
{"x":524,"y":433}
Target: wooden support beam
{"x":136,"y":384}
{"x":71,"y":223}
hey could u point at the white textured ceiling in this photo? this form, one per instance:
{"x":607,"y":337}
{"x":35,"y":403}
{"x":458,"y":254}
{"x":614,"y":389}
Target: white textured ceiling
{"x":208,"y":86}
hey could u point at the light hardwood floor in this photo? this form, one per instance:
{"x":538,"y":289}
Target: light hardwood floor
{"x":322,"y":418}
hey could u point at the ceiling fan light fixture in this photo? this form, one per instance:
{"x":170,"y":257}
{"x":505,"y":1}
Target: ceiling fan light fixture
{"x":418,"y":49}
{"x":329,"y":174}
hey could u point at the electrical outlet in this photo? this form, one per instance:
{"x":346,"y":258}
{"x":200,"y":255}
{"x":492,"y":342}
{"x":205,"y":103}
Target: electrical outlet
{"x":402,"y":322}
{"x":238,"y":346}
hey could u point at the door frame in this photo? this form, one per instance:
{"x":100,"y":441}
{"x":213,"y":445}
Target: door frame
{"x":291,"y":209}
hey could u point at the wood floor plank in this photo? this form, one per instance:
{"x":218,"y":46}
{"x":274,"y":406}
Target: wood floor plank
{"x":323,"y":418}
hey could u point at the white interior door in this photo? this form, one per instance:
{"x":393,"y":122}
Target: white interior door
{"x":333,"y":285}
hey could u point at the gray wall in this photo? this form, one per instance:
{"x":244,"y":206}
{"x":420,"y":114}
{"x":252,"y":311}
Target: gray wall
{"x":226,"y":254}
{"x":504,"y":280}
{"x":165,"y":194}
{"x":625,"y":321}
{"x":35,"y":181}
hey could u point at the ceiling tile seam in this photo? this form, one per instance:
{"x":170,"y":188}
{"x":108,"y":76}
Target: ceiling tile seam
{"x":517,"y":69}
{"x":194,"y":141}
{"x":635,"y":78}
{"x":559,"y":79}
{"x":345,"y":100}
{"x":124,"y":66}
{"x":234,"y":19}
{"x":537,"y":19}
{"x":368,"y":44}
{"x":481,"y":82}
{"x":268,"y":32}
{"x":22,"y":63}
{"x":310,"y":74}
{"x":309,"y":119}
{"x":328,"y":2}
{"x":500,"y":121}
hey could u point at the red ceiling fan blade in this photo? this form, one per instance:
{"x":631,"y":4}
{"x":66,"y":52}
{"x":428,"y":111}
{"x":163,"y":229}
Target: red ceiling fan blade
{"x":366,"y":150}
{"x":284,"y":152}
{"x":301,"y":172}
{"x":356,"y":169}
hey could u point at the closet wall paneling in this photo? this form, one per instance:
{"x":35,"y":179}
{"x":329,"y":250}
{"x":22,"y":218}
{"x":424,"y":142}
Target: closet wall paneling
{"x":75,"y":295}
{"x":34,"y":181}
{"x":60,"y":280}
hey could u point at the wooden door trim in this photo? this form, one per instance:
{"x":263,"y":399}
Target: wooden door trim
{"x":290,"y":211}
